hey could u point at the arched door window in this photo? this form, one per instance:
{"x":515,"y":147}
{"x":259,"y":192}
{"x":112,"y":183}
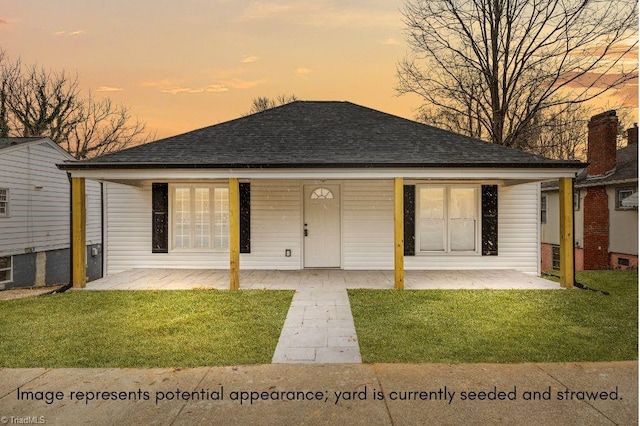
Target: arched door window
{"x":321,"y":194}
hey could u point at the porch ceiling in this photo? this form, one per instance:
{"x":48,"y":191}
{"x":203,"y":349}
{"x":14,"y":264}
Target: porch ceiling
{"x":185,"y":279}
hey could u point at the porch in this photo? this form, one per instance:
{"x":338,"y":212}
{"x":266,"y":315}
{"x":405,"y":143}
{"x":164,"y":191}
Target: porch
{"x":185,"y":279}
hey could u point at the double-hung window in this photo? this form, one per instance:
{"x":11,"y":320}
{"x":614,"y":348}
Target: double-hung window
{"x":6,"y":269}
{"x":200,"y":217}
{"x":4,"y":202}
{"x":447,"y":218}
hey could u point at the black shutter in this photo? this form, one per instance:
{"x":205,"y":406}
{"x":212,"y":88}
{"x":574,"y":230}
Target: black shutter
{"x":409,"y":220}
{"x":245,"y":218}
{"x":160,"y":217}
{"x":489,"y":220}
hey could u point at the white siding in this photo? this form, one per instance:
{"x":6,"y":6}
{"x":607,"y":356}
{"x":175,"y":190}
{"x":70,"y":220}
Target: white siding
{"x":623,"y":225}
{"x":276,"y":225}
{"x":276,"y":218}
{"x":39,"y":218}
{"x":518,"y":245}
{"x":367,"y":224}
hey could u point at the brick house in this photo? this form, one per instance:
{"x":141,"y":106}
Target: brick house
{"x":606,"y":228}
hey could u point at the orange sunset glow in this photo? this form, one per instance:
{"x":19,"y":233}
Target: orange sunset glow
{"x":188,"y":64}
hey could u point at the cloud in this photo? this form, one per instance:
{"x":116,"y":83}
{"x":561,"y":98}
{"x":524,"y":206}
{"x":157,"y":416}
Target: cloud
{"x":249,"y":59}
{"x":319,"y":14}
{"x":108,"y":89}
{"x":303,"y":71}
{"x":390,"y":42}
{"x":68,"y":33}
{"x":212,"y":88}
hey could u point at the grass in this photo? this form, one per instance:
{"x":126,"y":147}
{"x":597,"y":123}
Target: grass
{"x":142,"y":328}
{"x":501,"y":326}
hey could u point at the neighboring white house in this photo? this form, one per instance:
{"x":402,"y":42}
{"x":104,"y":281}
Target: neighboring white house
{"x":34,"y":215}
{"x":319,"y":186}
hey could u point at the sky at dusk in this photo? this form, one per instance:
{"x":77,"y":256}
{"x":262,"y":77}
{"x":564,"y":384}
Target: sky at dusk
{"x":182,"y":65}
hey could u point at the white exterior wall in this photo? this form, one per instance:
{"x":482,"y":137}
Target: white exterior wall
{"x":518,"y":243}
{"x":623,"y":226}
{"x":276,"y":225}
{"x":367,"y":224}
{"x":550,"y":232}
{"x":39,"y":218}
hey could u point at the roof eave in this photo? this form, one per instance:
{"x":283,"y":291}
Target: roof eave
{"x":151,"y":165}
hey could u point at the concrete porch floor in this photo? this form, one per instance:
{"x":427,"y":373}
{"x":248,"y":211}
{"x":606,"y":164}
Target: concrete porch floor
{"x":184,"y":279}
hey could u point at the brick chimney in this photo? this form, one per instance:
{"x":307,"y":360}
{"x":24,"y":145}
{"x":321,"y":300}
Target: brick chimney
{"x":601,"y":146}
{"x":603,"y":129}
{"x":632,"y":135}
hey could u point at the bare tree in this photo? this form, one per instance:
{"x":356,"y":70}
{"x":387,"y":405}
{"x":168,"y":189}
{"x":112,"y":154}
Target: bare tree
{"x":44,"y":103}
{"x":263,"y":103}
{"x":35,"y":101}
{"x":103,"y":128}
{"x":491,"y":67}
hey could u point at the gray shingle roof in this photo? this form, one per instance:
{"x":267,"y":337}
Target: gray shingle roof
{"x":8,"y":142}
{"x":319,"y":134}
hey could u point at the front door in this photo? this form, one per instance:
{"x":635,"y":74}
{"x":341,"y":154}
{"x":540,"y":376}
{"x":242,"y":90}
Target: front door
{"x":322,"y":226}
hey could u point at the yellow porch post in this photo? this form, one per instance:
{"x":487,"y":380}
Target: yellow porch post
{"x":399,"y":232}
{"x":234,"y":234}
{"x":567,"y":268}
{"x":78,"y":233}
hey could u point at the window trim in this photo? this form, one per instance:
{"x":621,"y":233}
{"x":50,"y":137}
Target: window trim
{"x":212,"y":234}
{"x":7,"y":212}
{"x":477,"y":251}
{"x":543,"y":208}
{"x":619,"y":205}
{"x":10,"y":269}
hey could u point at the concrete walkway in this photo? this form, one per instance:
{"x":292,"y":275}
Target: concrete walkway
{"x":328,"y":394}
{"x":318,"y":329}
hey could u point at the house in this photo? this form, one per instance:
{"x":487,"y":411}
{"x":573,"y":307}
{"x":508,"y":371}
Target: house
{"x":605,"y":203}
{"x":34,"y":216}
{"x":321,"y":185}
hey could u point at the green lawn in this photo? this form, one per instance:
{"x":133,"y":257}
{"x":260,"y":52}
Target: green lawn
{"x":501,"y":326}
{"x":142,"y":328}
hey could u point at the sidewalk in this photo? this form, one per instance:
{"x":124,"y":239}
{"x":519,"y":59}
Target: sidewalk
{"x":325,"y":394}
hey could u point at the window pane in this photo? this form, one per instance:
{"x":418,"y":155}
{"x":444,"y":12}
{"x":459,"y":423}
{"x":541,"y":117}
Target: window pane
{"x":5,"y":275}
{"x":5,"y":262}
{"x":181,"y":219}
{"x":463,"y":234}
{"x":432,"y":203}
{"x":221,"y":218}
{"x":462,"y":204}
{"x":431,"y":222}
{"x":4,"y":201}
{"x":202,"y":218}
{"x":432,"y":234}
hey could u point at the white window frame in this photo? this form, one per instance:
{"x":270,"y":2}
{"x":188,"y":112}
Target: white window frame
{"x":7,"y":211}
{"x":447,"y":243}
{"x":10,"y":269}
{"x":192,"y":187}
{"x":544,"y":203}
{"x":619,"y":198}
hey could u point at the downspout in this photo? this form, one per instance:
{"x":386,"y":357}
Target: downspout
{"x":102,"y":262}
{"x":70,"y":283}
